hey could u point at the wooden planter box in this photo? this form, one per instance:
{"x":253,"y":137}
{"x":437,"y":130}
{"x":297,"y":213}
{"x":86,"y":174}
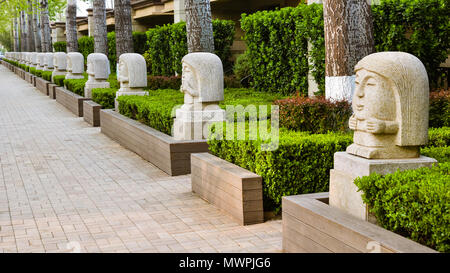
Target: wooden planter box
{"x":71,"y":101}
{"x":311,"y":225}
{"x":52,"y":90}
{"x":170,"y":155}
{"x":28,"y":77}
{"x":231,"y":188}
{"x":42,"y":85}
{"x":91,"y":112}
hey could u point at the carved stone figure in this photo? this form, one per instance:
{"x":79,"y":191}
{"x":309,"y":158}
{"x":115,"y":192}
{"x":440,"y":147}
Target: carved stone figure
{"x":48,"y":63}
{"x":202,"y":84}
{"x":390,"y":106}
{"x":40,"y":61}
{"x":59,"y":62}
{"x":33,"y":59}
{"x":75,"y":65}
{"x":132,"y":75}
{"x":98,"y":72}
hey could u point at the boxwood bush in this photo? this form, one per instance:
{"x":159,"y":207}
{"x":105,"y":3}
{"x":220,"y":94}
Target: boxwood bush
{"x":441,"y":154}
{"x":38,"y":73}
{"x":75,"y":85}
{"x":33,"y":70}
{"x":104,"y":96}
{"x":47,"y":75}
{"x":439,"y":137}
{"x":440,"y":108}
{"x":60,"y":46}
{"x":413,"y":203}
{"x":59,"y":80}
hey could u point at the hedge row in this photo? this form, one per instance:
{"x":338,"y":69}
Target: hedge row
{"x":440,"y":108}
{"x":277,"y":40}
{"x":60,"y":46}
{"x":59,"y":80}
{"x":414,"y":203}
{"x":75,"y":85}
{"x":104,"y":96}
{"x":47,"y":75}
{"x":167,"y":45}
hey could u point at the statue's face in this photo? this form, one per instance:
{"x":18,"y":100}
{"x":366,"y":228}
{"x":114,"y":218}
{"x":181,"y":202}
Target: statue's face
{"x":69,"y":64}
{"x":90,"y":68}
{"x":123,"y":72}
{"x":374,"y":97}
{"x":188,"y":81}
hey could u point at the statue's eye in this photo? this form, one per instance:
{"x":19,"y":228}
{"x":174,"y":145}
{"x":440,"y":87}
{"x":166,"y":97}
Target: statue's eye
{"x":371,"y":82}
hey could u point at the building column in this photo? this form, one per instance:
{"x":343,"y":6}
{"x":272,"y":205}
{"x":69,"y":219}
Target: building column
{"x":58,"y":32}
{"x":179,"y":11}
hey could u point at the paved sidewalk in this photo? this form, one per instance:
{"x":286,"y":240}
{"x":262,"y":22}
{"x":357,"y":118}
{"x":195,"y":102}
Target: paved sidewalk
{"x":65,"y":187}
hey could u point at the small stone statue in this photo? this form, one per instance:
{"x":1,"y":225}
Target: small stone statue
{"x":40,"y":61}
{"x":75,"y":65}
{"x":48,"y":63}
{"x":132,"y":75}
{"x":33,"y":59}
{"x":390,"y":106}
{"x":98,"y":72}
{"x":202,"y":84}
{"x":59,"y":62}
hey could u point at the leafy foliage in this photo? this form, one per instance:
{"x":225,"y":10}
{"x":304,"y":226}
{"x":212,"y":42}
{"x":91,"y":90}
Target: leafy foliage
{"x":104,"y":96}
{"x":414,"y":203}
{"x":59,"y":80}
{"x":86,"y":46}
{"x":47,"y":75}
{"x":439,"y":108}
{"x":60,"y":46}
{"x":439,"y":137}
{"x":75,"y":85}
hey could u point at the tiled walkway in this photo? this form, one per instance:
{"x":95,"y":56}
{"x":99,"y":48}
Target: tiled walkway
{"x":66,"y":187}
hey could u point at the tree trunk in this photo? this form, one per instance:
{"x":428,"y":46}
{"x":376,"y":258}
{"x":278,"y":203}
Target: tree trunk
{"x":124,"y":32}
{"x":71,"y":26}
{"x":199,"y":26}
{"x":36,"y":29}
{"x":30,"y":29}
{"x":16,"y":35}
{"x":46,"y":39}
{"x":348,"y":38}
{"x":23,"y":32}
{"x":100,"y":30}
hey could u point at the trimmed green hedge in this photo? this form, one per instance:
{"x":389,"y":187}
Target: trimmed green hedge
{"x":33,"y":70}
{"x":60,"y":46}
{"x":139,"y":46}
{"x":47,"y":75}
{"x":439,"y":108}
{"x":104,"y":96}
{"x":86,"y":46}
{"x":167,"y":45}
{"x":38,"y":73}
{"x":441,"y":154}
{"x":75,"y":85}
{"x":439,"y":137}
{"x":414,"y":203}
{"x":59,"y":80}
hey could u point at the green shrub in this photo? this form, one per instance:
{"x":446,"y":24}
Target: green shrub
{"x":86,"y":46}
{"x":75,"y":85}
{"x":111,"y":36}
{"x":231,"y":82}
{"x":300,"y":165}
{"x":316,"y":115}
{"x":47,"y":75}
{"x":167,"y":45}
{"x":241,"y":67}
{"x":163,"y":82}
{"x":441,"y":154}
{"x":104,"y":96}
{"x":113,"y":83}
{"x":440,"y":108}
{"x":439,"y":137}
{"x":414,"y":203}
{"x":60,"y":46}
{"x":59,"y":80}
{"x":38,"y":73}
{"x":33,"y":70}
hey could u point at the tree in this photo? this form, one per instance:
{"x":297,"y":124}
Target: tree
{"x":46,"y":40}
{"x":348,"y":38}
{"x":100,"y":29}
{"x":30,"y":29}
{"x":37,"y":27}
{"x":71,"y":26}
{"x":123,"y":28}
{"x":23,"y":33}
{"x":199,"y":26}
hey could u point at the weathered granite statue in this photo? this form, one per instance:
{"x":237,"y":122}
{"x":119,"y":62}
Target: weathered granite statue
{"x":390,"y":122}
{"x":48,"y":61}
{"x":75,"y":65}
{"x":98,"y":71}
{"x":132,"y":75}
{"x":40,"y":61}
{"x":59,"y":62}
{"x":390,"y":106}
{"x":202,"y":85}
{"x":33,"y":59}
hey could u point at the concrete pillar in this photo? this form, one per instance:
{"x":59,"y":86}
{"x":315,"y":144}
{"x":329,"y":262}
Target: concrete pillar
{"x":58,"y":32}
{"x":90,"y":21}
{"x":179,"y":11}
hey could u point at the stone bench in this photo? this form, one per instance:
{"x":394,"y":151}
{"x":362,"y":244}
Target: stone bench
{"x":170,"y":155}
{"x":91,"y":112}
{"x":71,"y":101}
{"x":231,"y":188}
{"x":311,"y":225}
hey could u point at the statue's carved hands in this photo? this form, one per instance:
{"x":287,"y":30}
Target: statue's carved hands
{"x":375,"y":126}
{"x":352,"y":123}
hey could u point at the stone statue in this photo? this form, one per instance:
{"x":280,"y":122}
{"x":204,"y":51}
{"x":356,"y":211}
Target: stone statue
{"x":48,"y":63}
{"x":40,"y":61}
{"x":390,"y":106}
{"x":98,"y":72}
{"x":75,"y":65}
{"x":132,"y":75}
{"x":59,"y":62}
{"x":202,"y":84}
{"x":33,"y":59}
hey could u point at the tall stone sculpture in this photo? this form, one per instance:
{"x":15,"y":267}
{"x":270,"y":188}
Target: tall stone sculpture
{"x":202,"y":85}
{"x":40,"y":61}
{"x":390,"y":122}
{"x":60,"y":63}
{"x":98,"y":71}
{"x":132,"y":75}
{"x":75,"y":65}
{"x":48,"y":63}
{"x":33,"y":59}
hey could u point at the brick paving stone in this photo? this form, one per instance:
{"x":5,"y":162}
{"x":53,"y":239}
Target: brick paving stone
{"x":65,"y":186}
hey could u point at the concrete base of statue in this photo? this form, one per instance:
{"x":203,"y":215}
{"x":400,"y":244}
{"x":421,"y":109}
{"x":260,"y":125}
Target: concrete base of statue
{"x":193,"y":125}
{"x":94,"y":84}
{"x":128,"y":92}
{"x":74,"y":76}
{"x":344,"y":193}
{"x":58,"y":73}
